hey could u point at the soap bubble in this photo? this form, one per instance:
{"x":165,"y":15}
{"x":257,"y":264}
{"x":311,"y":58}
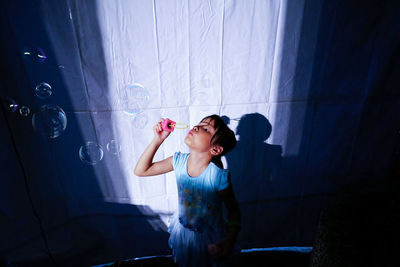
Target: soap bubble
{"x":35,"y":55}
{"x":91,"y":153}
{"x":113,"y":147}
{"x":13,"y":107}
{"x":140,"y":121}
{"x":43,"y":90}
{"x":132,"y":108}
{"x":11,"y":104}
{"x":137,"y":98}
{"x":49,"y":121}
{"x":24,"y":111}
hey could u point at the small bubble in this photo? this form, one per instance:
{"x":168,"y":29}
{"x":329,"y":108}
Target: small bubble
{"x":11,"y":104}
{"x":43,"y":90}
{"x":13,"y":107}
{"x":113,"y":147}
{"x":24,"y":111}
{"x":34,"y":55}
{"x":91,"y":153}
{"x":140,"y":121}
{"x":137,"y":98}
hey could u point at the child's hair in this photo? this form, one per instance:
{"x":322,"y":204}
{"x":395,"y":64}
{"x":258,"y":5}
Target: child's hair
{"x":223,"y":137}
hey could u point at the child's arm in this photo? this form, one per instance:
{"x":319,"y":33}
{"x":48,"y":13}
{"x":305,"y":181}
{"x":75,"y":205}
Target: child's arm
{"x":224,"y":248}
{"x":228,"y":197}
{"x":145,"y":165}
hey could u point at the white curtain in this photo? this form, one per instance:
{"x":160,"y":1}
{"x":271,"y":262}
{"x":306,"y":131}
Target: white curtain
{"x":118,"y":66}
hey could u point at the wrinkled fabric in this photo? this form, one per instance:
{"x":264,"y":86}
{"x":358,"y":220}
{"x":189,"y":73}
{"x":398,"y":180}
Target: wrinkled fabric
{"x":309,"y":87}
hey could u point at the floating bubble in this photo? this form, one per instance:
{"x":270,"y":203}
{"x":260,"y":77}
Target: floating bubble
{"x":91,"y":153}
{"x":49,"y":121}
{"x":137,"y":93}
{"x":11,"y":104}
{"x":13,"y":107}
{"x":137,"y":98}
{"x":41,"y":56}
{"x":140,"y":121}
{"x":24,"y":111}
{"x":43,"y":90}
{"x":133,"y":108}
{"x":35,"y":55}
{"x":113,"y":147}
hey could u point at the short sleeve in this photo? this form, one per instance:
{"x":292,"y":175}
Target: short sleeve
{"x":224,"y":180}
{"x":176,"y":159}
{"x":179,"y":162}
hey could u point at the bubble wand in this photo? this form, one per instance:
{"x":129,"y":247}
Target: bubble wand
{"x":169,"y":125}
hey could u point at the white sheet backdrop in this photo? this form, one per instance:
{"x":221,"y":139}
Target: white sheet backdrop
{"x":252,"y":61}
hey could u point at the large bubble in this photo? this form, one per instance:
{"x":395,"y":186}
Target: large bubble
{"x":49,"y":121}
{"x":43,"y":90}
{"x":91,"y":153}
{"x":137,"y":98}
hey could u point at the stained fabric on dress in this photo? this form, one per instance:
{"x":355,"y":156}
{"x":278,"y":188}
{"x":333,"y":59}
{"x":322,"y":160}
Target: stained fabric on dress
{"x":199,"y":220}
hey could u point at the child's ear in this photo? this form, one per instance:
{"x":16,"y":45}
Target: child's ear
{"x":216,"y":150}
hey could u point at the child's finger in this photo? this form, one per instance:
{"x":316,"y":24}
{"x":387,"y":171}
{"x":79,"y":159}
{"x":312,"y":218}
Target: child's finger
{"x":157,"y":127}
{"x":159,"y":124}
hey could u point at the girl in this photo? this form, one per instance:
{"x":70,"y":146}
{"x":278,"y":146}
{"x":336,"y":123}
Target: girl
{"x":198,"y":234}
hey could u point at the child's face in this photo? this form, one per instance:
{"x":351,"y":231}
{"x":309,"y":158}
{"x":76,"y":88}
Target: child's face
{"x":199,"y":137}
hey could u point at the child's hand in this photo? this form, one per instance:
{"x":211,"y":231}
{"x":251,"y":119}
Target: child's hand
{"x":159,"y":134}
{"x":222,"y":250}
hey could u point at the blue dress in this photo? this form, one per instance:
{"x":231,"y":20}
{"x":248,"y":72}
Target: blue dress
{"x":199,"y":220}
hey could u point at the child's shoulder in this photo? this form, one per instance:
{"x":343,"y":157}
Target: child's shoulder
{"x":220,"y":177}
{"x":179,"y":158}
{"x":218,"y":170}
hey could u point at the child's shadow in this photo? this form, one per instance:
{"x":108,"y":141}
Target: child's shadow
{"x":254,"y":166}
{"x":253,"y":163}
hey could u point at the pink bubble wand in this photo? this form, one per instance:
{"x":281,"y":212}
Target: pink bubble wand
{"x":169,"y":125}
